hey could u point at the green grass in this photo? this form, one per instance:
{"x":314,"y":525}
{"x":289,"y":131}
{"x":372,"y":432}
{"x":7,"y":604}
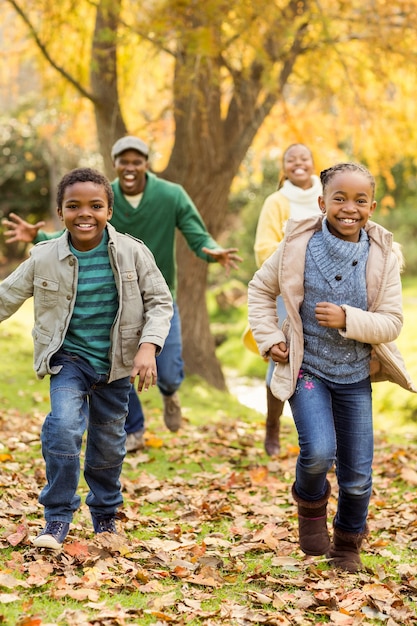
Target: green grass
{"x":209,"y":487}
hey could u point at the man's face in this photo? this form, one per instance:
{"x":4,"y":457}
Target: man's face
{"x":130,"y":168}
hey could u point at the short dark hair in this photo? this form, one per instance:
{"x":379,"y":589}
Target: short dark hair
{"x":84,"y":175}
{"x":327,"y":175}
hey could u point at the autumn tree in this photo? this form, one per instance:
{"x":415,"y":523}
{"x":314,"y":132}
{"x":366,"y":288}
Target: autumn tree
{"x":226,"y":65}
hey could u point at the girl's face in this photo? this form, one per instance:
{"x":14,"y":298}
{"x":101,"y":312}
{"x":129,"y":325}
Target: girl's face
{"x":298,"y":166}
{"x":348,"y":204}
{"x":85,"y":211}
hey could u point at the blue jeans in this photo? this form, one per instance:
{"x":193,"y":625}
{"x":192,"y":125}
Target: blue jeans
{"x":170,"y":374}
{"x":334,"y":425}
{"x":82,"y":400}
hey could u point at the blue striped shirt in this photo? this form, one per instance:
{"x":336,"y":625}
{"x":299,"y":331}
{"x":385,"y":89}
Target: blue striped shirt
{"x":95,"y":307}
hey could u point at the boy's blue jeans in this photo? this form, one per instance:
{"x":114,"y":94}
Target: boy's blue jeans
{"x":82,"y":400}
{"x":170,"y":367}
{"x":334,"y":424}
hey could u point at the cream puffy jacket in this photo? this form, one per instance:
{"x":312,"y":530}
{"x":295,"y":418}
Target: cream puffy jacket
{"x":50,"y":275}
{"x":380,"y":325}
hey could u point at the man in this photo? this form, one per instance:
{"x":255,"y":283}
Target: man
{"x":151,"y":209}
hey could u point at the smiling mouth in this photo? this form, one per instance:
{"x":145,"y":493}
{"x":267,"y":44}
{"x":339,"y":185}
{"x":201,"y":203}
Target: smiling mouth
{"x":85,"y":226}
{"x":346,"y":220}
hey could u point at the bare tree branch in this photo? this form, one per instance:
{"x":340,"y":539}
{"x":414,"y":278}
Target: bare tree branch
{"x":43,"y":49}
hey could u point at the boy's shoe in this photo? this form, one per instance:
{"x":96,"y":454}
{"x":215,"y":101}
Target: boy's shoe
{"x":134,"y":441}
{"x":172,"y":412}
{"x":104,"y":524}
{"x":52,"y":536}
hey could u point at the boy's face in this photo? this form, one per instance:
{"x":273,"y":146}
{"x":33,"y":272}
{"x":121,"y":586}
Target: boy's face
{"x":85,"y":211}
{"x":348,"y":202}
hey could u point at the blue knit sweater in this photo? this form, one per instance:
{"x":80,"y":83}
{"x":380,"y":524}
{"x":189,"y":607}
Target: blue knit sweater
{"x":334,"y":272}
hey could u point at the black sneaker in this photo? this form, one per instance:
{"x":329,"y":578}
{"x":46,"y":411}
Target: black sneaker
{"x":104,"y":524}
{"x":52,"y":535}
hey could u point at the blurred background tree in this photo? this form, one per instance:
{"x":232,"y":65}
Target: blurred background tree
{"x":24,"y":177}
{"x":215,"y":88}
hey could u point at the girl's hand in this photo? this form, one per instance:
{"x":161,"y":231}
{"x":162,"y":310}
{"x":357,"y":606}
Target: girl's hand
{"x":330,"y":315}
{"x":279,"y":353}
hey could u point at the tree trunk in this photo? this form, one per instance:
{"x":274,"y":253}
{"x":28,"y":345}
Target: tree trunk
{"x":198,"y":343}
{"x":103,"y":73}
{"x":208,"y":149}
{"x":206,"y":155}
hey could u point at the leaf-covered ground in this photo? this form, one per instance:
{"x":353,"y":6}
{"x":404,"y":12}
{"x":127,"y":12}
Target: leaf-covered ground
{"x":208,"y":535}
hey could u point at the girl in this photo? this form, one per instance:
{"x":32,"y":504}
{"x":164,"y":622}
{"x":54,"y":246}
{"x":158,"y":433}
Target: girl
{"x":297,"y":196}
{"x":339,"y":276}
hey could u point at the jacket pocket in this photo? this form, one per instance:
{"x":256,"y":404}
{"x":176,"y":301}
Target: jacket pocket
{"x":41,"y":341}
{"x":129,"y":343}
{"x":282,"y":385}
{"x":286,"y":329}
{"x":45,"y":292}
{"x":130,"y":284}
{"x":282,"y":381}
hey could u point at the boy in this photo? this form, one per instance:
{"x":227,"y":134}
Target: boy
{"x":102,"y":313}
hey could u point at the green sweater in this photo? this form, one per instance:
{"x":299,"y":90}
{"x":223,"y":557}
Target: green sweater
{"x":164,"y":207}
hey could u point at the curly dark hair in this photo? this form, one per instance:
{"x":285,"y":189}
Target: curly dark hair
{"x":327,"y":175}
{"x":84,"y":175}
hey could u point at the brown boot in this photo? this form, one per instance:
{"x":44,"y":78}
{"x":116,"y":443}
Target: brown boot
{"x":172,"y":412}
{"x":344,"y":550}
{"x":274,"y":412}
{"x":312,"y":523}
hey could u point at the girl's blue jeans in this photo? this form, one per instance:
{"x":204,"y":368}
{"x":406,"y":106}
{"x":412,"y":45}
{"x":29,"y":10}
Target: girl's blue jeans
{"x":334,"y":424}
{"x":82,"y":400}
{"x":170,"y":368}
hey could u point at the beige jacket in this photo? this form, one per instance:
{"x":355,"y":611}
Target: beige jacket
{"x":50,"y":275}
{"x":380,"y":325}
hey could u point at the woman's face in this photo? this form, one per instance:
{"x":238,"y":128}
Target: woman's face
{"x":299,"y":166}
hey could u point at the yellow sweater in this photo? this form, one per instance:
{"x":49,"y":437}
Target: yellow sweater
{"x":288,"y":201}
{"x":274,"y":215}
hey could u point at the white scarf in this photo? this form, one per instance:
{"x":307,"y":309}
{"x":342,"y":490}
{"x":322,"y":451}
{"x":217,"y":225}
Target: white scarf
{"x":303,"y":202}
